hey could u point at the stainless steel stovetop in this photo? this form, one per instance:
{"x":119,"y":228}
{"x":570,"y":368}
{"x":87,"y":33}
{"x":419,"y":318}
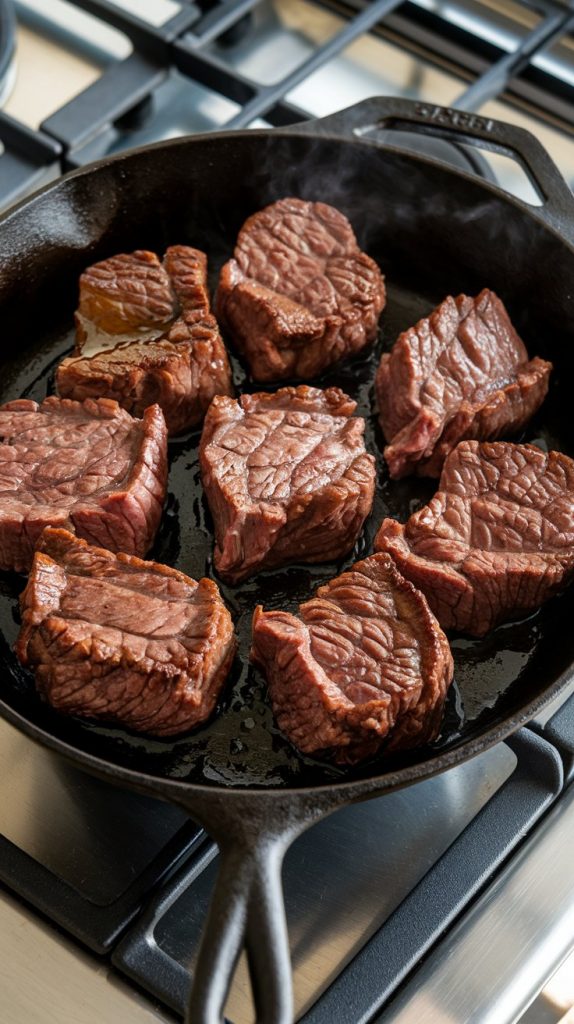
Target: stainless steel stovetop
{"x":451,"y":901}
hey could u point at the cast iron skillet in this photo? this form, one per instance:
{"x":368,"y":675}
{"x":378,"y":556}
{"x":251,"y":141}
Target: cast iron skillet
{"x":434,"y":231}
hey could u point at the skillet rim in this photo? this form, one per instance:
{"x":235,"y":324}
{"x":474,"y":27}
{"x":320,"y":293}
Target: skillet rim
{"x":165,"y":786}
{"x":298,"y":130}
{"x":380,"y":783}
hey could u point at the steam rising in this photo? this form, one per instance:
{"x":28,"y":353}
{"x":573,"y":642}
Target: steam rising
{"x":408,"y":213}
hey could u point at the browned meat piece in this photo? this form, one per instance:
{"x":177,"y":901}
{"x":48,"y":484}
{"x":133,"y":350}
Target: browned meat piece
{"x":496,"y":540}
{"x":364,"y":661}
{"x":145,"y":334}
{"x":287,"y":478}
{"x":460,"y":373}
{"x":111,"y":637}
{"x":89,"y":467}
{"x":299,"y":294}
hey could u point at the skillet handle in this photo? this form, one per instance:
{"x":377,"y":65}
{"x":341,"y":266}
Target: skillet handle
{"x":246,"y":911}
{"x":253,"y":832}
{"x":382,"y":112}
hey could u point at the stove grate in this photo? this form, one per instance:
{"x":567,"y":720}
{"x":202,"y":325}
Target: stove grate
{"x":192,"y":43}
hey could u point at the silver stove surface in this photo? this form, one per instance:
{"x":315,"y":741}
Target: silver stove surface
{"x":493,"y":964}
{"x":45,"y":978}
{"x":85,"y":832}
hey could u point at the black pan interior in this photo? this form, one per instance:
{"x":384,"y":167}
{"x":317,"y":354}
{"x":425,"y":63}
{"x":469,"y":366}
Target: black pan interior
{"x":433,"y":233}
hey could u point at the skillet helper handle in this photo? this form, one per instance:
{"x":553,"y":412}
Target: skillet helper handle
{"x":382,"y":112}
{"x":247,"y":910}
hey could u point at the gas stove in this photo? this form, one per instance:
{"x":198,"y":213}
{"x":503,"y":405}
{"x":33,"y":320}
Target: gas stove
{"x":453,"y":899}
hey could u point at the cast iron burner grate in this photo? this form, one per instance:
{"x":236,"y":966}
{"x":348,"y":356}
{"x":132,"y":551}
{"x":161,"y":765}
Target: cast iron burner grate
{"x":193,"y":44}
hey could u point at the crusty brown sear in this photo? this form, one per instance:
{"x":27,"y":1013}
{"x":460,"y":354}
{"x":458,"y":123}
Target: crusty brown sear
{"x":112,"y":637}
{"x":299,"y":294}
{"x":287,"y":478}
{"x":363,"y":663}
{"x":145,"y":333}
{"x":497,"y":538}
{"x":462,"y":372}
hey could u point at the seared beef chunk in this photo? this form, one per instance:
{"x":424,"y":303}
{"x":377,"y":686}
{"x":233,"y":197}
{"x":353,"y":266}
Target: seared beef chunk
{"x":462,"y":372}
{"x":364,"y":661}
{"x":496,"y":540}
{"x":111,"y":637}
{"x":87,"y":466}
{"x":299,"y":294}
{"x":287,"y":478}
{"x":144,"y":334}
